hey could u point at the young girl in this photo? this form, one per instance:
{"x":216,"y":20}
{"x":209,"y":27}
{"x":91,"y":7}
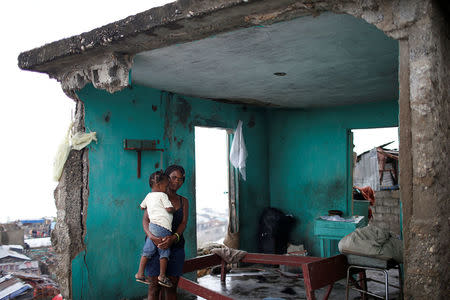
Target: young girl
{"x":159,"y":210}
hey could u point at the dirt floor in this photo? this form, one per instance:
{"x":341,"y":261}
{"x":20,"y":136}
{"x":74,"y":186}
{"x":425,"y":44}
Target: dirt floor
{"x":260,"y":283}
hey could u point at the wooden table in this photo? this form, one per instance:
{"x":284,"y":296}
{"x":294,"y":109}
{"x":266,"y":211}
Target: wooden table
{"x":317,"y":272}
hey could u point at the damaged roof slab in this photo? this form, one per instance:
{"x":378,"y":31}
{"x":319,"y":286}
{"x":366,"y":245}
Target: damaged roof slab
{"x":278,"y":53}
{"x":331,"y":59}
{"x":176,"y":22}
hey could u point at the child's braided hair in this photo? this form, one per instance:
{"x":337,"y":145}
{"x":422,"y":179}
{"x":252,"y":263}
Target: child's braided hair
{"x":157,"y":177}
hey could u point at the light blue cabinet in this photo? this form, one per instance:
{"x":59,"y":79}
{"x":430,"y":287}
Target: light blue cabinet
{"x":330,"y":232}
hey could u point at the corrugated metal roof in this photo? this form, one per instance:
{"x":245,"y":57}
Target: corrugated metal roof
{"x":6,"y":252}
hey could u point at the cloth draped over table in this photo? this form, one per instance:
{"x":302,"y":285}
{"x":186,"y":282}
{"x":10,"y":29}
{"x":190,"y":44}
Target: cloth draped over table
{"x":229,"y":255}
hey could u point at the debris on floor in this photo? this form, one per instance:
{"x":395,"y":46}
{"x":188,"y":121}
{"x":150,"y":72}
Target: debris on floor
{"x":259,"y":282}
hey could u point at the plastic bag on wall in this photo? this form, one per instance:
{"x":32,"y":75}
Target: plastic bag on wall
{"x":238,"y":152}
{"x":82,"y":139}
{"x":78,"y":141}
{"x":61,"y":155}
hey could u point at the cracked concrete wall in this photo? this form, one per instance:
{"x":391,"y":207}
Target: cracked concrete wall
{"x":426,"y":227}
{"x":71,"y":197}
{"x":110,"y":73}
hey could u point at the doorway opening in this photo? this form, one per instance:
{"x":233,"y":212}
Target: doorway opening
{"x":211,"y":184}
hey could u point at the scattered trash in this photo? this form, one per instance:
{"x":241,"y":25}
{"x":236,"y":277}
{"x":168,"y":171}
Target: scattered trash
{"x":11,"y":287}
{"x":26,"y":267}
{"x":26,"y":277}
{"x":43,"y":286}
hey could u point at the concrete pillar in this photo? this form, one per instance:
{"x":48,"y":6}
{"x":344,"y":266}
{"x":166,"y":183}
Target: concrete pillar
{"x":424,"y":154}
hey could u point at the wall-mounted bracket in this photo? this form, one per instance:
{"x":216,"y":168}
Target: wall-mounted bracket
{"x":139,"y":146}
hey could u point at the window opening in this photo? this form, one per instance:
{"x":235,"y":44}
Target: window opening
{"x":375,"y":158}
{"x":211,"y":184}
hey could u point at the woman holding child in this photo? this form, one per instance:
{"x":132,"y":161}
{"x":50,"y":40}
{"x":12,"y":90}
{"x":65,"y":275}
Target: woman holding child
{"x":174,"y":242}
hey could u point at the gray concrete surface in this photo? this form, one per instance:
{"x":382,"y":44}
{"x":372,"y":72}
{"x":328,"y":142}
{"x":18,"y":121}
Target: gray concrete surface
{"x":270,"y":283}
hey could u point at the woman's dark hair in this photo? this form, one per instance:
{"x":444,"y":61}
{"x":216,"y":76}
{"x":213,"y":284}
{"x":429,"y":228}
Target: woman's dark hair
{"x":173,"y":168}
{"x":157,"y":177}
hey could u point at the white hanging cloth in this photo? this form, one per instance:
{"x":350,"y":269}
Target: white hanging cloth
{"x":238,"y":152}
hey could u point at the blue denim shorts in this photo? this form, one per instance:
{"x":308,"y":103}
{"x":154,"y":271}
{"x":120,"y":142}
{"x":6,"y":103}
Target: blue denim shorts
{"x":150,"y":248}
{"x":174,"y":265}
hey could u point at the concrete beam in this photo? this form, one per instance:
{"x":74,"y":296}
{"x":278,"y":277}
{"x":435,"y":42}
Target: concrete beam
{"x":75,"y":60}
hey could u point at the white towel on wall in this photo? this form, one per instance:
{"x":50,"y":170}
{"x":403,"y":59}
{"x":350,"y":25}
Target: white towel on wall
{"x":238,"y":152}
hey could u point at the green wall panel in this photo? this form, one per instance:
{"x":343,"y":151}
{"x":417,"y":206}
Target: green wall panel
{"x":308,"y":160}
{"x":114,"y":236}
{"x":297,"y":162}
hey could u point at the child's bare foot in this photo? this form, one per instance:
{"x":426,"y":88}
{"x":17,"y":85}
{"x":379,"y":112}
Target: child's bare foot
{"x":141,"y":278}
{"x":164,"y":281}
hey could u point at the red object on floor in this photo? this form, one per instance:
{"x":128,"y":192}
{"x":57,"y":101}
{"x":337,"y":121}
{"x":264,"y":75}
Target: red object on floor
{"x":58,"y":297}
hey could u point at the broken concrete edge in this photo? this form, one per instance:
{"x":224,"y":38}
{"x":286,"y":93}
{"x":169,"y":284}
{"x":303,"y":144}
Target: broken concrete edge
{"x":118,"y":34}
{"x":110,"y":74}
{"x":71,"y":199}
{"x":104,"y":55}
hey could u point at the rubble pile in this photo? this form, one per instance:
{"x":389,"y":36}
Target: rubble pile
{"x":22,"y":277}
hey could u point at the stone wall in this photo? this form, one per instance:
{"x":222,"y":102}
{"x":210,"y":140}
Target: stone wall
{"x":426,"y":202}
{"x":11,"y":237}
{"x":386,"y":211}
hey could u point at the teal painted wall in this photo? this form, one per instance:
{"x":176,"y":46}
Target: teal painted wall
{"x":301,"y":153}
{"x":114,"y":236}
{"x":308,"y":160}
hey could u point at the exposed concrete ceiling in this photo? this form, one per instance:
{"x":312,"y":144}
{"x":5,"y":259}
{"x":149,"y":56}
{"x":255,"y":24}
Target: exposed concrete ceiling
{"x":330,"y":59}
